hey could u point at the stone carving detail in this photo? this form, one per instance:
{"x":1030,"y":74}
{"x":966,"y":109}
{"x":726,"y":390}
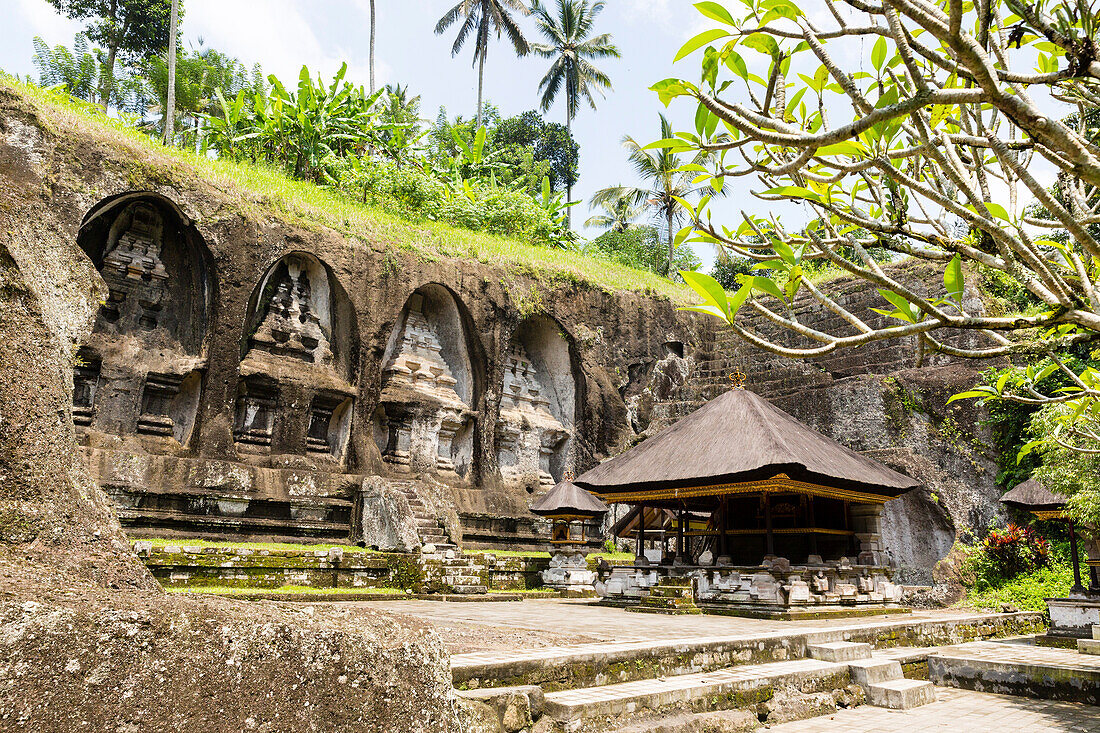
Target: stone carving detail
{"x":290,"y":325}
{"x":528,"y":434}
{"x":328,"y":428}
{"x":85,"y":385}
{"x":432,"y":436}
{"x":134,"y":272}
{"x":255,"y":419}
{"x":156,"y":404}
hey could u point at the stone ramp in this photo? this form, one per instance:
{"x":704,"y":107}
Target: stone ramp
{"x":1018,"y":669}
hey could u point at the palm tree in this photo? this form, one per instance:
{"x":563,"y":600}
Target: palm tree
{"x":483,"y":17}
{"x":618,"y":214}
{"x":372,"y":46}
{"x":572,"y":49}
{"x":170,"y":108}
{"x":659,"y":169}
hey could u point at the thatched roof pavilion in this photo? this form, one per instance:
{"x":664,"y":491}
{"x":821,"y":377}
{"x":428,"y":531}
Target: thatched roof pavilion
{"x":759,"y":474}
{"x":1032,"y":496}
{"x":568,"y":501}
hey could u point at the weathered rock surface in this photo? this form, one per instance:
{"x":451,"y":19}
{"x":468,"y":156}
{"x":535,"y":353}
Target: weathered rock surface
{"x":387,"y":523}
{"x":87,"y":639}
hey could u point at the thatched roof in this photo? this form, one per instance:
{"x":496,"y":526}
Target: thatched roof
{"x":568,"y":499}
{"x":1033,"y":496}
{"x":735,"y":438}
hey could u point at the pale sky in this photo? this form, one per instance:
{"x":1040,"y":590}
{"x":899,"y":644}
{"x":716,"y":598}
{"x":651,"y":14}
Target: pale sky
{"x":284,"y":34}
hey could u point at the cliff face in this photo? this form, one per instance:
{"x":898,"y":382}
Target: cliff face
{"x":239,"y":369}
{"x":89,"y":640}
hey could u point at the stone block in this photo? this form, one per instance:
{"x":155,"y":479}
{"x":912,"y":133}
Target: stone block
{"x":386,"y":521}
{"x":874,"y":671}
{"x":839,"y":652}
{"x":901,"y":694}
{"x":1088,"y":646}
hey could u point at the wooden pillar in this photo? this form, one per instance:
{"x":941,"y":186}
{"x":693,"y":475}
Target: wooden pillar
{"x":811,"y":519}
{"x":724,"y":538}
{"x":680,"y":544}
{"x":641,"y":531}
{"x":1077,"y":587}
{"x":769,"y":539}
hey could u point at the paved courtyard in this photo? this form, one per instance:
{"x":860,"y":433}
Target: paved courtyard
{"x":488,"y":627}
{"x":961,"y":711}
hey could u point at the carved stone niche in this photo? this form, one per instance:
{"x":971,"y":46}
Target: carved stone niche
{"x":85,"y":385}
{"x":424,"y":421}
{"x":329,"y":425}
{"x":169,"y":404}
{"x":257,"y":403}
{"x":295,"y":313}
{"x":537,"y":407}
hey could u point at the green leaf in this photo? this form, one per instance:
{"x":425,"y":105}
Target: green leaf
{"x":710,"y":310}
{"x":845,"y":147}
{"x":715,"y":11}
{"x":737,"y":65}
{"x":878,"y":53}
{"x":899,"y":302}
{"x":762,"y":43}
{"x":699,"y":41}
{"x":795,"y":192}
{"x":767,"y":285}
{"x":968,"y":395}
{"x":739,"y":299}
{"x":676,"y":144}
{"x":953,"y":279}
{"x":709,"y":288}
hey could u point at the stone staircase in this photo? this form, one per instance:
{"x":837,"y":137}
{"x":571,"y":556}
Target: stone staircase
{"x":883,"y":680}
{"x":430,"y":529}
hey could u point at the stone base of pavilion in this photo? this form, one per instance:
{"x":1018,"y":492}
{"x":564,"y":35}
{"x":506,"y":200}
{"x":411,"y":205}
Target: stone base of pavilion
{"x":1072,"y":618}
{"x":775,"y":590}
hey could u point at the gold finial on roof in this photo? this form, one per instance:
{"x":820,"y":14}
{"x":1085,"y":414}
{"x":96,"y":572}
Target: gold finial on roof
{"x":568,"y":476}
{"x":738,"y":378}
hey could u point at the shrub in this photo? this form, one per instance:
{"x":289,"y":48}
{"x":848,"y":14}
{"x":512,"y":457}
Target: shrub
{"x":1015,"y":550}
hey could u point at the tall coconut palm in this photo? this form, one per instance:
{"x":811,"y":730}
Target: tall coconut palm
{"x":372,"y":46}
{"x":170,"y":108}
{"x":659,"y":169}
{"x":572,"y":47}
{"x":483,"y":17}
{"x":617,"y":215}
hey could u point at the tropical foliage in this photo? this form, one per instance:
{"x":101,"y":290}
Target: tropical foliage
{"x":918,"y":128}
{"x":641,"y":247}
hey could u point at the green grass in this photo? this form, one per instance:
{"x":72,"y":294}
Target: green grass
{"x":526,"y":591}
{"x":1027,"y":592}
{"x":261,"y":191}
{"x":271,"y":546}
{"x":226,"y":590}
{"x":510,"y":553}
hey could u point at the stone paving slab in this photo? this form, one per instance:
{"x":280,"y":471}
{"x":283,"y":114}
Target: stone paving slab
{"x":961,"y":711}
{"x":654,"y":694}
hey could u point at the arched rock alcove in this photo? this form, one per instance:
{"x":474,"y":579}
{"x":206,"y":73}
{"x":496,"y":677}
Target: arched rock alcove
{"x":299,"y":338}
{"x":425,"y":419}
{"x":538,"y":406}
{"x":141,"y":370}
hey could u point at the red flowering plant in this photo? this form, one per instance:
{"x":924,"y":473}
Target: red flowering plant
{"x":1015,"y":549}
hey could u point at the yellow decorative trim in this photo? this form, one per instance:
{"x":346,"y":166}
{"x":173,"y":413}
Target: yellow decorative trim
{"x":779,"y":484}
{"x":1050,"y":514}
{"x":785,"y":530}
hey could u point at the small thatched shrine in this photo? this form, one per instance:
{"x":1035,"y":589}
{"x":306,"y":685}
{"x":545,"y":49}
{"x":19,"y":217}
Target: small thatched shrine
{"x":766,"y":514}
{"x":1075,"y":615}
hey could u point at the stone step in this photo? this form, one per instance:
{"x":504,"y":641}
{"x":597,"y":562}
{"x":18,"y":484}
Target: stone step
{"x":874,"y":671}
{"x":722,"y":689}
{"x":457,"y":581}
{"x":1096,"y":631}
{"x":839,"y":651}
{"x":470,"y":589}
{"x":901,"y":694}
{"x":720,"y":721}
{"x":1088,"y":646}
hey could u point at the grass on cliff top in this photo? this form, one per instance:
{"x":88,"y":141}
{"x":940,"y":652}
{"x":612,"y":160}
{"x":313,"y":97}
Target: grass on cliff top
{"x":227,"y":590}
{"x":270,"y":546}
{"x":260,"y":190}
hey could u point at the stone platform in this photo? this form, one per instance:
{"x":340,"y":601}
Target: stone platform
{"x":1019,"y":669}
